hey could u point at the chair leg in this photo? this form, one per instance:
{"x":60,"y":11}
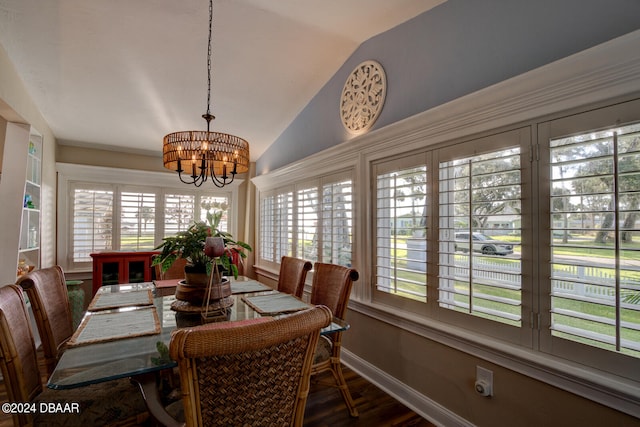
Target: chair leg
{"x":336,"y":370}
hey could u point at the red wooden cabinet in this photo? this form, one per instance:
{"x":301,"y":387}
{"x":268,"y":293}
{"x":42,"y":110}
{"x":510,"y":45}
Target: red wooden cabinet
{"x":112,"y":268}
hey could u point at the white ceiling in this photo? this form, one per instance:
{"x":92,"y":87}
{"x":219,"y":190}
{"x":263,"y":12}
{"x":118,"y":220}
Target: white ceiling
{"x":123,"y":73}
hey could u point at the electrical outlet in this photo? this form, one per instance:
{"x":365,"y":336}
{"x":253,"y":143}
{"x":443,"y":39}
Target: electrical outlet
{"x":484,"y":381}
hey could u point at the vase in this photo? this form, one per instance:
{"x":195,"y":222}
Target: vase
{"x":76,"y":301}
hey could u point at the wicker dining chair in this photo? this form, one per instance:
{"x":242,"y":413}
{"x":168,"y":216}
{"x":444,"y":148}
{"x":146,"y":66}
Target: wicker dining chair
{"x":47,"y":292}
{"x":176,"y":271}
{"x":293,"y":273}
{"x":113,"y":403}
{"x":253,"y":372}
{"x":332,"y":287}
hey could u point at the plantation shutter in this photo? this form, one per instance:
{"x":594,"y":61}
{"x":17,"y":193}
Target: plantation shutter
{"x":179,"y":213}
{"x":92,"y":216}
{"x":276,"y":226}
{"x":307,"y":224}
{"x":480,"y":266}
{"x":267,"y":239}
{"x":137,"y":220}
{"x":595,"y":208}
{"x":401,"y":210}
{"x":337,"y":222}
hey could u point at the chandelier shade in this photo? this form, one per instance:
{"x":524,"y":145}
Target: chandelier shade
{"x":198,"y":156}
{"x":196,"y":153}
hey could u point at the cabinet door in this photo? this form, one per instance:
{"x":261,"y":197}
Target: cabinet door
{"x":110,"y":272}
{"x":136,"y":269}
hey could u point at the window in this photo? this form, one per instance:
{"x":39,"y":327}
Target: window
{"x":215,"y":203}
{"x":401,"y":224}
{"x":180,"y":211}
{"x":108,"y":217}
{"x":311,"y":221}
{"x":594,"y":231}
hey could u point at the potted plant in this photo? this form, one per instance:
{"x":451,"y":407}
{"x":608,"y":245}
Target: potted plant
{"x":190,"y":244}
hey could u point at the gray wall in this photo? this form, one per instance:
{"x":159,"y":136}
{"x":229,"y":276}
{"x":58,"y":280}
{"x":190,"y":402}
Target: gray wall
{"x":455,"y":49}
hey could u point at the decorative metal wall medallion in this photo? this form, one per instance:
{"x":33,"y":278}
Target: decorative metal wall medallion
{"x":363,"y":96}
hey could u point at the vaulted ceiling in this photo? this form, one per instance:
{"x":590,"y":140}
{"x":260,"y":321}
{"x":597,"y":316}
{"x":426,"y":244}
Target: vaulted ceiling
{"x":120,"y":74}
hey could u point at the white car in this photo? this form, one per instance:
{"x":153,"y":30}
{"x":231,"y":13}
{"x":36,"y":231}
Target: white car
{"x":482,"y":243}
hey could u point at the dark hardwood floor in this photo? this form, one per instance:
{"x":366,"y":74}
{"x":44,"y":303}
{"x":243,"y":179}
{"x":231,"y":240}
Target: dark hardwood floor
{"x":325,"y":406}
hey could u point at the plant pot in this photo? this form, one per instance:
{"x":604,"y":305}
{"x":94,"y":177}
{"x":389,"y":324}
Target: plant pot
{"x":200,"y":280}
{"x":196,"y":276}
{"x":197,"y":294}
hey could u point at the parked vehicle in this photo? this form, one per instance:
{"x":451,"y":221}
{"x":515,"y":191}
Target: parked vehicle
{"x":482,"y":243}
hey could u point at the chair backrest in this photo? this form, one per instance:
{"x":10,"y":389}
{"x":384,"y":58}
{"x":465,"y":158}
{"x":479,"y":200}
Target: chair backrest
{"x":293,"y":273}
{"x":47,"y":292}
{"x":176,"y":271}
{"x":254,"y":373}
{"x":332,"y":287}
{"x":18,"y":358}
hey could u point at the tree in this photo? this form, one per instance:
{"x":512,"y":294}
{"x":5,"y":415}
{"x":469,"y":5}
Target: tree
{"x":488,"y":185}
{"x":415,"y":191}
{"x":589,"y":164}
{"x":146,"y":214}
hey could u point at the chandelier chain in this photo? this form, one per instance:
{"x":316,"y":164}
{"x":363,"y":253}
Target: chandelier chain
{"x":209,"y":63}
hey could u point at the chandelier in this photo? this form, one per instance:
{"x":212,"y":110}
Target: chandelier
{"x":200,"y":155}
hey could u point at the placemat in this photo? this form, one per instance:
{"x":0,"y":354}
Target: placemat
{"x":166,"y":283}
{"x":109,"y":326}
{"x":105,"y":301}
{"x":275,"y":303}
{"x":248,"y":286}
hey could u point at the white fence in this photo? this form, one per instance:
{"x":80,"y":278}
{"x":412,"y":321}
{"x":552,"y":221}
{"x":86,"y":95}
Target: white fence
{"x":578,"y":280}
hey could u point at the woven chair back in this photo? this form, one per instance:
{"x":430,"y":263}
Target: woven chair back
{"x":47,"y":292}
{"x":332,"y":287}
{"x":251,"y":374}
{"x":176,"y":271}
{"x":293,"y":273}
{"x":17,"y":349}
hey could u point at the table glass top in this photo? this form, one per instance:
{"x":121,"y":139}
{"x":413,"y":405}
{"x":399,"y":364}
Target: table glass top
{"x":121,"y":358}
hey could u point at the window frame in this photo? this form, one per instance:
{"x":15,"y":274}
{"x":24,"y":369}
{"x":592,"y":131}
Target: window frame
{"x":518,"y":137}
{"x":582,"y":122}
{"x":389,"y":165}
{"x":316,"y":183}
{"x":119,"y":180}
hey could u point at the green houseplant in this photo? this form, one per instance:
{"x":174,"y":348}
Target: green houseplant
{"x":189,"y":244}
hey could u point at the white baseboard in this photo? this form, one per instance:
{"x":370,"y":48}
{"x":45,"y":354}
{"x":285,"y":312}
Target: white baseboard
{"x":419,"y":403}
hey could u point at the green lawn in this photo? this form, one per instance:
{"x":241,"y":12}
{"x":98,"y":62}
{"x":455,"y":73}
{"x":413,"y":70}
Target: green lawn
{"x":589,"y":317}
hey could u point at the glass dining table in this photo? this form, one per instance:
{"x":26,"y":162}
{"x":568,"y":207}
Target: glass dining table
{"x":138,"y":351}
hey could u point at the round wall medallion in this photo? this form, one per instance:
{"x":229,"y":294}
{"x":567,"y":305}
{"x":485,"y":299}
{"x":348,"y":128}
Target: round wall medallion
{"x":363,"y":96}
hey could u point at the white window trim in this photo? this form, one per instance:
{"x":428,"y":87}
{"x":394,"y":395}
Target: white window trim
{"x":68,"y":172}
{"x":590,"y":78}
